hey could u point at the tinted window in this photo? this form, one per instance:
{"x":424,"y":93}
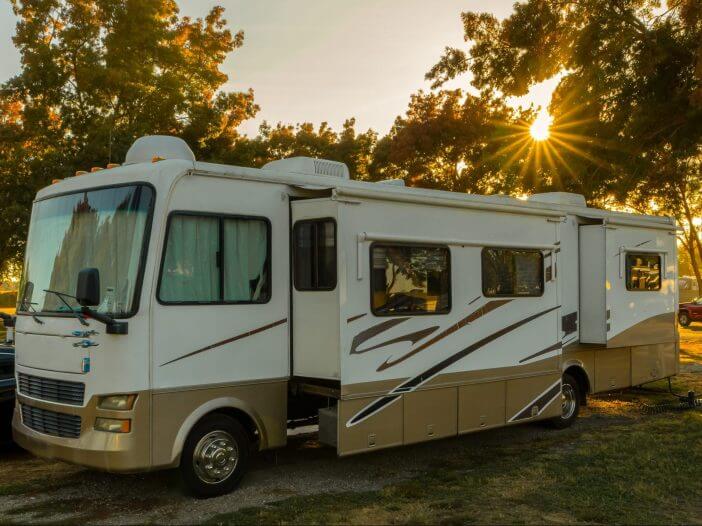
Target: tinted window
{"x":410,"y":280}
{"x":643,"y":272}
{"x":210,"y":259}
{"x":512,"y":272}
{"x":314,"y":248}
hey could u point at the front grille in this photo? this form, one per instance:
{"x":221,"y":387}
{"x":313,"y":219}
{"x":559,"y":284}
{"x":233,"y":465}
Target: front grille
{"x":50,"y":422}
{"x":51,"y":389}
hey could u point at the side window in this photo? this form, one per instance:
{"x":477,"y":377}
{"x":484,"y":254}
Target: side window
{"x":643,"y":272}
{"x":314,"y":254}
{"x":245,"y":269}
{"x":190,"y":272}
{"x":215,"y":260}
{"x":512,"y":272}
{"x":410,"y":280}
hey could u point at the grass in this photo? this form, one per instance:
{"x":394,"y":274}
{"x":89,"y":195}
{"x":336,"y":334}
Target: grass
{"x":642,"y":472}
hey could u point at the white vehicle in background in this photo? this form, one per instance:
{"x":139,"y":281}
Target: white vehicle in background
{"x":176,"y":313}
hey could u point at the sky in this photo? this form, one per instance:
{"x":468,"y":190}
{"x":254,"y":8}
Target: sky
{"x":328,"y":60}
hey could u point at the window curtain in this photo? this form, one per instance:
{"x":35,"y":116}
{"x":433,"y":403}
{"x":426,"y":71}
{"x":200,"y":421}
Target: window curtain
{"x":245,"y":253}
{"x":190,"y":266}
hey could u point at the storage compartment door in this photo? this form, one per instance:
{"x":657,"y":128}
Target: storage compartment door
{"x":315,"y":297}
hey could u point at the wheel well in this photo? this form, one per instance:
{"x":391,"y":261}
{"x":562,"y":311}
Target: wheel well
{"x":243,"y":418}
{"x":580,"y":376}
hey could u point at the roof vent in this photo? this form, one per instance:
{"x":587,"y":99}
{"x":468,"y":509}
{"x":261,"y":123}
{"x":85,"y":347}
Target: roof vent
{"x":558,"y":198}
{"x":158,"y":147}
{"x":310,"y":166}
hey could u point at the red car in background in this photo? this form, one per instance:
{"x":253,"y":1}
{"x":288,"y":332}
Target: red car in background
{"x":689,"y":312}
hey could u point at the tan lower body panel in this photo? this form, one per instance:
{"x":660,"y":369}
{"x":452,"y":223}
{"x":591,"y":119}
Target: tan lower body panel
{"x":265,"y":402}
{"x":608,"y":369}
{"x":381,"y":430}
{"x":534,"y":398}
{"x":171,"y":414}
{"x":612,"y":369}
{"x":116,"y":452}
{"x":431,"y":413}
{"x":651,"y":362}
{"x":481,"y":406}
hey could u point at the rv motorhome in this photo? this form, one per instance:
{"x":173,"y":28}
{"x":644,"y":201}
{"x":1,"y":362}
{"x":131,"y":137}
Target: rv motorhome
{"x":175,"y":313}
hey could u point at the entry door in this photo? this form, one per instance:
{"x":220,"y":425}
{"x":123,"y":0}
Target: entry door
{"x":315,"y":297}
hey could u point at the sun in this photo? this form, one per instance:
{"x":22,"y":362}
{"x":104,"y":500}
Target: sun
{"x":540,"y":129}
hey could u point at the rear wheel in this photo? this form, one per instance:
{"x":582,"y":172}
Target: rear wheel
{"x":571,"y":399}
{"x":215,"y":456}
{"x":684,"y":319}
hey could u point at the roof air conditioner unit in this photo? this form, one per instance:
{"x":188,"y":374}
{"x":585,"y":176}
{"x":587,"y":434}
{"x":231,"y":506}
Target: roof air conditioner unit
{"x":309,"y":166}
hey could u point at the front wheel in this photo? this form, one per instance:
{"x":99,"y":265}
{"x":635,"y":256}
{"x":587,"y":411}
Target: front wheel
{"x":570,"y":403}
{"x":215,"y":456}
{"x":684,"y":319}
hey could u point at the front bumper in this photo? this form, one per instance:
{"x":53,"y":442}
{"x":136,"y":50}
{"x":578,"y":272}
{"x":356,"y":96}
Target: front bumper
{"x":114,"y":452}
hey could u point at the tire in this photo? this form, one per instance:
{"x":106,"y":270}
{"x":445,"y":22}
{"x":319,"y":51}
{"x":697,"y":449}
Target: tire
{"x":571,"y":399}
{"x":225,"y":442}
{"x":684,"y":319}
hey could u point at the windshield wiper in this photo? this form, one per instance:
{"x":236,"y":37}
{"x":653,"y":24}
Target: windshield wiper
{"x":29,"y":307}
{"x":26,"y":304}
{"x":60,"y":295}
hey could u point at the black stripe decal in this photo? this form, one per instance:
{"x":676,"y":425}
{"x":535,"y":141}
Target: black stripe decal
{"x":555,"y":346}
{"x":371,"y":409}
{"x":412,"y":383}
{"x":541,"y":403}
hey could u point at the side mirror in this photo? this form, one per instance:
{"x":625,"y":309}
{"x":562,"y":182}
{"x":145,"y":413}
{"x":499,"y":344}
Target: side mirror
{"x":88,"y":287}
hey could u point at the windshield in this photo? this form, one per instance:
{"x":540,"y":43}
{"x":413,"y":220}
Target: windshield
{"x":101,"y":229}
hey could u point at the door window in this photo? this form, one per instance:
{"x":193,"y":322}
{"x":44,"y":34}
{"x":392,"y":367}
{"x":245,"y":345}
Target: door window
{"x":314,"y":254}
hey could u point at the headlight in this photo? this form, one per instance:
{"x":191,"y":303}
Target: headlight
{"x":113,"y":425}
{"x":117,"y":402}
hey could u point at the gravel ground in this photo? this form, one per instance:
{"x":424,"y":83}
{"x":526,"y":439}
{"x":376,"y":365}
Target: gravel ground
{"x":301,"y":468}
{"x":34,"y":490}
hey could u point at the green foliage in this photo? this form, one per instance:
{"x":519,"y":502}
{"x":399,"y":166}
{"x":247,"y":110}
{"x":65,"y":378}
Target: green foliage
{"x":627,"y":112}
{"x":97,"y":74}
{"x":281,"y":141}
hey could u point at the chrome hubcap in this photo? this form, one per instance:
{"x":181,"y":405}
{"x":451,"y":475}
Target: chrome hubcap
{"x":683,"y":319}
{"x":216,"y":456}
{"x":568,"y":401}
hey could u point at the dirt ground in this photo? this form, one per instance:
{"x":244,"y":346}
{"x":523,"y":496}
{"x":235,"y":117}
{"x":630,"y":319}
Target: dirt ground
{"x":35,"y":490}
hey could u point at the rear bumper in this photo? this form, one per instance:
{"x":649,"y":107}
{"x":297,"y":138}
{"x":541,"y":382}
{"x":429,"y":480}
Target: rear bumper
{"x":113,"y":452}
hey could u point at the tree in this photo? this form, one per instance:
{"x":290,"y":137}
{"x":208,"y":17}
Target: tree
{"x":628,"y":109}
{"x":452,"y":140}
{"x":285,"y":140}
{"x":96,"y":74}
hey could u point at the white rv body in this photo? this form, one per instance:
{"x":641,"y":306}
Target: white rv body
{"x":379,"y":380}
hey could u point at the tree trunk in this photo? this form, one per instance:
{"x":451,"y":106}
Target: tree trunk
{"x":694,"y":246}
